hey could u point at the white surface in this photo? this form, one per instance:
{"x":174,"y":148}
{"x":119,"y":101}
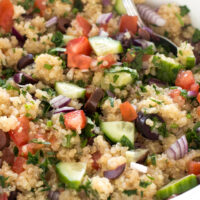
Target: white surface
{"x":193,"y":5}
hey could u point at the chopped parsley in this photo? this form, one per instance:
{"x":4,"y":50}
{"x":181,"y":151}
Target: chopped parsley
{"x":143,"y":88}
{"x":15,"y":151}
{"x":184,"y":10}
{"x":33,"y":159}
{"x":196,"y":36}
{"x":66,"y":1}
{"x":78,"y":6}
{"x":115,"y":77}
{"x":145,"y":184}
{"x":111,"y":101}
{"x":3,"y":181}
{"x":126,"y":142}
{"x":51,"y":92}
{"x":57,"y":39}
{"x":156,"y":101}
{"x":130,"y":192}
{"x":180,"y":19}
{"x":68,"y":138}
{"x":46,"y":107}
{"x":153,"y":159}
{"x":27,"y":4}
{"x":8,"y":72}
{"x":39,"y":142}
{"x":61,"y":119}
{"x":47,"y":66}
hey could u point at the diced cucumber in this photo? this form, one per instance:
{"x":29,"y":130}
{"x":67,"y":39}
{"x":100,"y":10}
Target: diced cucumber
{"x":136,"y":155}
{"x":119,"y":7}
{"x":118,"y":77}
{"x":103,"y":46}
{"x":71,"y":173}
{"x":166,"y":68}
{"x":186,"y":55}
{"x":69,"y":90}
{"x":67,"y":38}
{"x":177,"y":187}
{"x":117,"y":131}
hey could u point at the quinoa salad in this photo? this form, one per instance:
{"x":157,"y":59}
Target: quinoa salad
{"x":94,"y":107}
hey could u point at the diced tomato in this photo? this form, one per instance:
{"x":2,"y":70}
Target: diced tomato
{"x":128,"y":23}
{"x":194,"y":167}
{"x":79,"y":45}
{"x":128,"y":112}
{"x":3,"y":196}
{"x":79,"y":61}
{"x":185,"y":79}
{"x":41,"y":5}
{"x":194,"y":87}
{"x":18,"y":165}
{"x":29,"y":148}
{"x":6,"y":14}
{"x":84,"y":24}
{"x":75,"y":120}
{"x":20,"y":134}
{"x":95,"y":158}
{"x":103,"y":26}
{"x":177,"y":98}
{"x":107,"y":61}
{"x":198,"y":97}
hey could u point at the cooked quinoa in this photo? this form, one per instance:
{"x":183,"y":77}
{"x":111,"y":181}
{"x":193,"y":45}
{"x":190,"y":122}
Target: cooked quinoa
{"x":80,"y":99}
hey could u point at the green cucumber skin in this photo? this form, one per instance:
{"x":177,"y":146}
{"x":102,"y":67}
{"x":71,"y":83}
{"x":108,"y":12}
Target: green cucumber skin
{"x":190,"y":62}
{"x":177,"y":187}
{"x":119,"y":7}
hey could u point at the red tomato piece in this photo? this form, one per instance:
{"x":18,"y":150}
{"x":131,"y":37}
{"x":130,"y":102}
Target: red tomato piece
{"x":128,"y":112}
{"x":128,"y":23}
{"x":75,"y":120}
{"x":41,"y":5}
{"x":185,"y":79}
{"x":177,"y":98}
{"x":84,"y":24}
{"x":107,"y":61}
{"x":79,"y":61}
{"x":3,"y":196}
{"x":6,"y":14}
{"x":194,"y":87}
{"x":79,"y":45}
{"x":198,"y":97}
{"x":194,"y":168}
{"x":20,"y":134}
{"x":103,"y":26}
{"x":29,"y":148}
{"x":18,"y":165}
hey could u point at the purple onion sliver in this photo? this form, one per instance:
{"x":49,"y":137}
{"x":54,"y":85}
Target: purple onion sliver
{"x":64,"y":110}
{"x":106,"y":2}
{"x":18,"y":78}
{"x":192,"y":94}
{"x":60,"y":101}
{"x":51,"y":22}
{"x":110,"y":94}
{"x":104,"y":18}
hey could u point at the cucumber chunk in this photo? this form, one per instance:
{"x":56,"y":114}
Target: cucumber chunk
{"x":166,"y":68}
{"x":103,"y":46}
{"x":119,"y":131}
{"x":177,"y":187}
{"x":69,"y":90}
{"x":119,"y":7}
{"x":118,"y":77}
{"x":137,"y":155}
{"x":71,"y":173}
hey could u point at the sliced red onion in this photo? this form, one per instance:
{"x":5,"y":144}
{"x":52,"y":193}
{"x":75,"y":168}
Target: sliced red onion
{"x":144,"y":43}
{"x":192,"y":94}
{"x":63,"y":110}
{"x":157,"y":82}
{"x":139,"y":167}
{"x":106,"y":2}
{"x":178,"y":149}
{"x":150,"y":15}
{"x":115,"y":173}
{"x":23,"y":79}
{"x":104,"y":18}
{"x":51,"y":22}
{"x":59,"y":101}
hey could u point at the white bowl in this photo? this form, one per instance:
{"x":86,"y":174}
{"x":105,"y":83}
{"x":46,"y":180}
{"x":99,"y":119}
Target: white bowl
{"x":193,"y":5}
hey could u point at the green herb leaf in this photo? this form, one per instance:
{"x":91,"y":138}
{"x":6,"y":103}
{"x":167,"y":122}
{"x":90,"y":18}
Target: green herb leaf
{"x":47,"y":66}
{"x":3,"y":181}
{"x":51,"y":92}
{"x":8,"y":72}
{"x":153,"y":159}
{"x":184,"y":10}
{"x":111,"y":101}
{"x":196,"y":36}
{"x":33,"y":159}
{"x":61,"y":119}
{"x":180,"y":19}
{"x":15,"y":151}
{"x":126,"y":142}
{"x":130,"y":192}
{"x":57,"y":39}
{"x":145,"y":184}
{"x":27,"y":4}
{"x":78,"y":5}
{"x":69,"y":137}
{"x":39,"y":142}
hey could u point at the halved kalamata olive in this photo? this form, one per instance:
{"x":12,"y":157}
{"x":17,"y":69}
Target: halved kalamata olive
{"x":8,"y":156}
{"x":19,"y":37}
{"x":144,"y":34}
{"x":151,"y":132}
{"x":63,"y":24}
{"x":23,"y":78}
{"x":93,"y":101}
{"x":24,"y":61}
{"x":53,"y":195}
{"x":13,"y":195}
{"x":115,"y":173}
{"x":4,"y":140}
